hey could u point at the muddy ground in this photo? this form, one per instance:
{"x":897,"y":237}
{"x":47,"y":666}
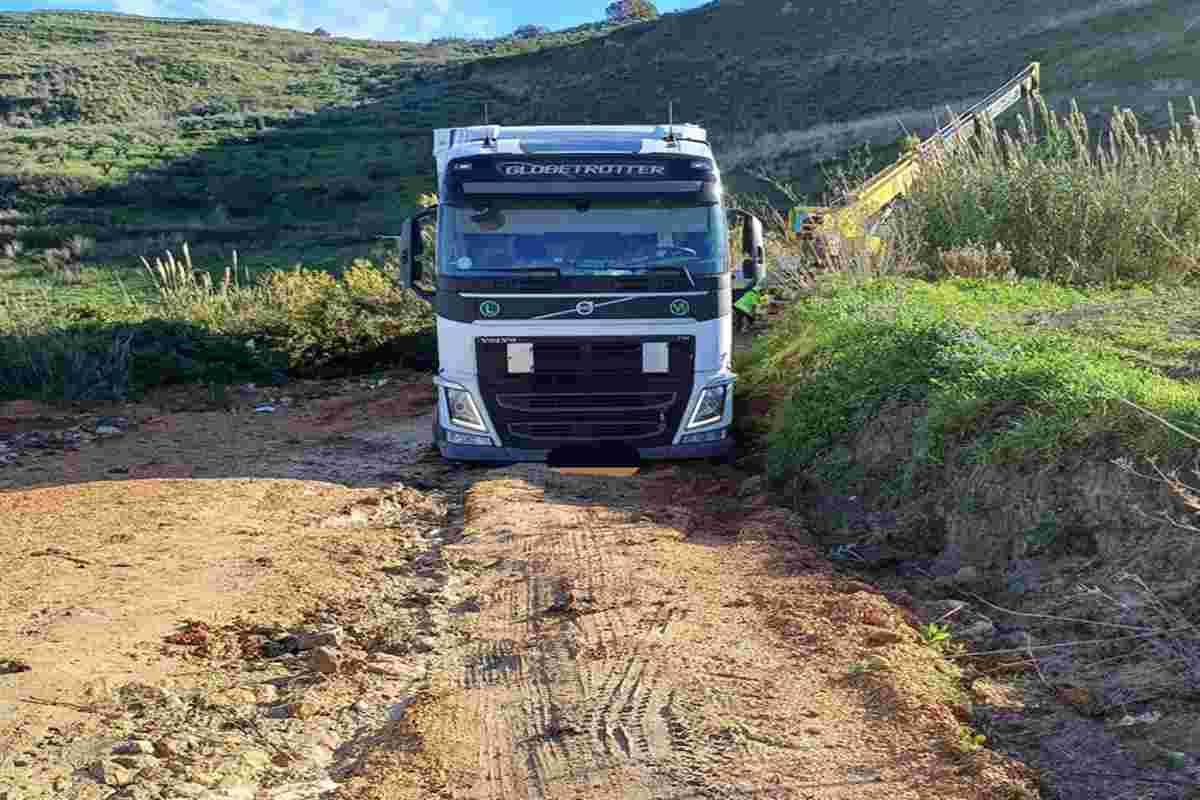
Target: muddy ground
{"x":288,"y":595}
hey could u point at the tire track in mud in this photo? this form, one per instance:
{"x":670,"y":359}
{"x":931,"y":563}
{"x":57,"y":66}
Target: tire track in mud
{"x":563,"y":680}
{"x":615,"y":656}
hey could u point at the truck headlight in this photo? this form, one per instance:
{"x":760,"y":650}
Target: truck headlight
{"x":463,"y":411}
{"x":710,"y":407}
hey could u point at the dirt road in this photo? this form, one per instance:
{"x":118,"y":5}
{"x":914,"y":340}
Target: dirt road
{"x":305,"y":602}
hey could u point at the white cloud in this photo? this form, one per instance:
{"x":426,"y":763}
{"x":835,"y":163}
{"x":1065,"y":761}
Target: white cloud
{"x":142,"y":8}
{"x":413,"y":20}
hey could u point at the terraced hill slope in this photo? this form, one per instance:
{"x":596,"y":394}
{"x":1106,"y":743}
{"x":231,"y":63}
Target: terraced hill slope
{"x":138,"y":132}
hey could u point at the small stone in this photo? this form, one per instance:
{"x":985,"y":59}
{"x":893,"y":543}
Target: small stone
{"x":328,"y":637}
{"x":107,"y":430}
{"x":110,"y":773}
{"x":878,"y":637}
{"x":134,"y":747}
{"x":187,"y":790}
{"x":266,"y":693}
{"x":325,"y":660}
{"x":362,"y":706}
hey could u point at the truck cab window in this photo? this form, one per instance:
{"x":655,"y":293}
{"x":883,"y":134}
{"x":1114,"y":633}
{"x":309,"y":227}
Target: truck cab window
{"x":596,"y":237}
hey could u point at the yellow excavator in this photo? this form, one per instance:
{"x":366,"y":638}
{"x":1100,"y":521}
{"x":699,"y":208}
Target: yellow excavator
{"x":851,"y":223}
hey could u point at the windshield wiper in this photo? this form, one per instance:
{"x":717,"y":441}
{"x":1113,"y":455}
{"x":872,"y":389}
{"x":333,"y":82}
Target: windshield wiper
{"x":681,"y":268}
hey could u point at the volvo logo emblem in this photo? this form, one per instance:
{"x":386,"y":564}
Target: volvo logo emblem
{"x":680,"y":307}
{"x":584,"y":308}
{"x":489,"y":308}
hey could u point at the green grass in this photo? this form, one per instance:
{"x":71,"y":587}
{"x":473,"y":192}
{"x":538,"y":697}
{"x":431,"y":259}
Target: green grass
{"x":995,"y":385}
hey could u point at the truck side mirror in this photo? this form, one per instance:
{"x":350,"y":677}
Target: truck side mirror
{"x":411,"y":246}
{"x":755,"y":263}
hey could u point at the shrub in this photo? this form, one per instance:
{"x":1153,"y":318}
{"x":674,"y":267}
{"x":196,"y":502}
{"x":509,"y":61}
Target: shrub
{"x":318,"y":320}
{"x":312,"y":318}
{"x":627,"y":10}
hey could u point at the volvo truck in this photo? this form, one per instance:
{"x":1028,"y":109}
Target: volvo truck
{"x":583,"y":282}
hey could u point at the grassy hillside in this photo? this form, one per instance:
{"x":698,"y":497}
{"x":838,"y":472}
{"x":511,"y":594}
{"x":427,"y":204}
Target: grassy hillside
{"x":139,"y":132}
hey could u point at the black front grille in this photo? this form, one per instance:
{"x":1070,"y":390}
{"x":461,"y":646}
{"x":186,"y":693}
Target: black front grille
{"x":585,"y":389}
{"x":551,"y":402}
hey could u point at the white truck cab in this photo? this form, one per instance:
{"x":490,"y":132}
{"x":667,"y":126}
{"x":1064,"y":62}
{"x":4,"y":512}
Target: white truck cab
{"x":583,"y":290}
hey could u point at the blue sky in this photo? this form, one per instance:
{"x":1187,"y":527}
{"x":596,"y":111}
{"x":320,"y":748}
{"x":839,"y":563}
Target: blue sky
{"x":414,"y":20}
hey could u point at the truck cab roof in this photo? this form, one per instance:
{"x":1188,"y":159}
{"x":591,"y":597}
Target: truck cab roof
{"x":678,"y":139}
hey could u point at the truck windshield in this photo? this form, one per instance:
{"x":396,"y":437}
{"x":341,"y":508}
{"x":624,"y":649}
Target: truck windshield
{"x":581,"y":237}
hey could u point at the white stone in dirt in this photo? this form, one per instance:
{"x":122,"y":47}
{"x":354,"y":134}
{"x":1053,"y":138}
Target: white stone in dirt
{"x":134,"y":747}
{"x":326,"y":660}
{"x":110,"y":773}
{"x":107,"y":430}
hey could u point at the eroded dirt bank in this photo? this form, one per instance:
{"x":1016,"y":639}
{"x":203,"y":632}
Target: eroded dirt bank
{"x":1077,"y":581}
{"x":305,"y":602}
